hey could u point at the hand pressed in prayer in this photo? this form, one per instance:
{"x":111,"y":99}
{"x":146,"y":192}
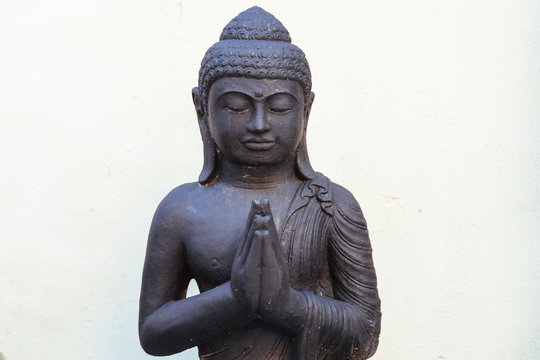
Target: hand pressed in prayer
{"x":260,"y":274}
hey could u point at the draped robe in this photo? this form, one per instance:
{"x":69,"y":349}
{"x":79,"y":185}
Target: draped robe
{"x":325,"y":241}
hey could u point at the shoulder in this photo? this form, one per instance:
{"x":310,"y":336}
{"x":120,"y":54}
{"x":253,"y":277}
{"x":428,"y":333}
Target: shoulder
{"x":330,"y":195}
{"x":336,"y":192}
{"x":346,"y":208}
{"x":172,"y":210}
{"x":178,"y":198}
{"x":343,"y":198}
{"x":333,"y":192}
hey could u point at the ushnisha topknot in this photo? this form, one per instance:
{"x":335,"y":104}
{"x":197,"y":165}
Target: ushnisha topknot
{"x":255,"y":45}
{"x":255,"y":24}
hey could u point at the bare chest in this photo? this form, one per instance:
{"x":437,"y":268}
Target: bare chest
{"x":211,"y":247}
{"x":213,"y":236}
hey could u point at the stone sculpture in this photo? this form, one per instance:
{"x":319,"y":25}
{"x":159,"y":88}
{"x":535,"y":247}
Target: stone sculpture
{"x":281,"y":254}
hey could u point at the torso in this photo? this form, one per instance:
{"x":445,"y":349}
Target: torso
{"x":214,"y":220}
{"x":209,"y":223}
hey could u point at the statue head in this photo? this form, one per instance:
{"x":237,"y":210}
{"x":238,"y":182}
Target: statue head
{"x":254,"y":45}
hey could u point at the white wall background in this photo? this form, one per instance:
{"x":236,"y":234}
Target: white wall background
{"x":428,"y":111}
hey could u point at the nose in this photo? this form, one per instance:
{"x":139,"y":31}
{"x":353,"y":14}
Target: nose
{"x":258,"y":123}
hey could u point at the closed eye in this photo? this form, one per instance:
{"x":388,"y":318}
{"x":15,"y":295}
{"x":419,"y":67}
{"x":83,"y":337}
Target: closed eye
{"x":237,"y":110}
{"x":281,"y":103}
{"x":280,"y":111}
{"x":236,"y":103}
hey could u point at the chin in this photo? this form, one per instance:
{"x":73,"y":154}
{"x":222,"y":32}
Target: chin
{"x":261,"y":158}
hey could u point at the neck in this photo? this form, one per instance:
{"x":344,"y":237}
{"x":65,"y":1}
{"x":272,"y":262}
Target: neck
{"x":257,"y":177}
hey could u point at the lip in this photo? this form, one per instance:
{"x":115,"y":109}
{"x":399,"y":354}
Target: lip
{"x":258,"y":144}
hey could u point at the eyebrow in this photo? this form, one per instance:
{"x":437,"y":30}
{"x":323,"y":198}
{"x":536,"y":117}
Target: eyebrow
{"x":233,"y":92}
{"x":244,"y":94}
{"x":284,"y":93}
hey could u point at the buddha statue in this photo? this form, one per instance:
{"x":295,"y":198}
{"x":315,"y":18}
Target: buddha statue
{"x":281,"y":255}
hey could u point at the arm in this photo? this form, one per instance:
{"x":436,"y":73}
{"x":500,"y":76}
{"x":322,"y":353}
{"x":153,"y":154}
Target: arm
{"x":348,"y":326}
{"x":168,"y":322}
{"x":343,"y":327}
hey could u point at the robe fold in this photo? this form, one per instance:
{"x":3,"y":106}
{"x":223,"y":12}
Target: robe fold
{"x":325,"y":241}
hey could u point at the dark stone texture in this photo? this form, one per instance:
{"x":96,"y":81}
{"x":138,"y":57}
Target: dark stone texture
{"x":281,"y":254}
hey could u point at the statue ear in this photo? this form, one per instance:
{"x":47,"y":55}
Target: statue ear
{"x":198,"y":102}
{"x":209,"y":170}
{"x":307,"y":106}
{"x":303,"y":166}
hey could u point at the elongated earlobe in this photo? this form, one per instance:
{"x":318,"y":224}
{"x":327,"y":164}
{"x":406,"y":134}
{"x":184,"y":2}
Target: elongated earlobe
{"x":304,"y":171}
{"x":209,"y":170}
{"x":308,"y":105}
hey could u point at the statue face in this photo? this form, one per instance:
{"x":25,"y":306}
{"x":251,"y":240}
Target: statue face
{"x":256,"y":121}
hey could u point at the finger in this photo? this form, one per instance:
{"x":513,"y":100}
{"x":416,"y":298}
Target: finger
{"x":270,"y":277}
{"x":262,"y":206}
{"x":254,"y":258}
{"x":261,"y":223}
{"x":274,"y":237}
{"x":245,"y":246}
{"x":257,"y":225}
{"x":253,"y":269}
{"x":256,"y":210}
{"x":275,"y":267}
{"x":267,"y":223}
